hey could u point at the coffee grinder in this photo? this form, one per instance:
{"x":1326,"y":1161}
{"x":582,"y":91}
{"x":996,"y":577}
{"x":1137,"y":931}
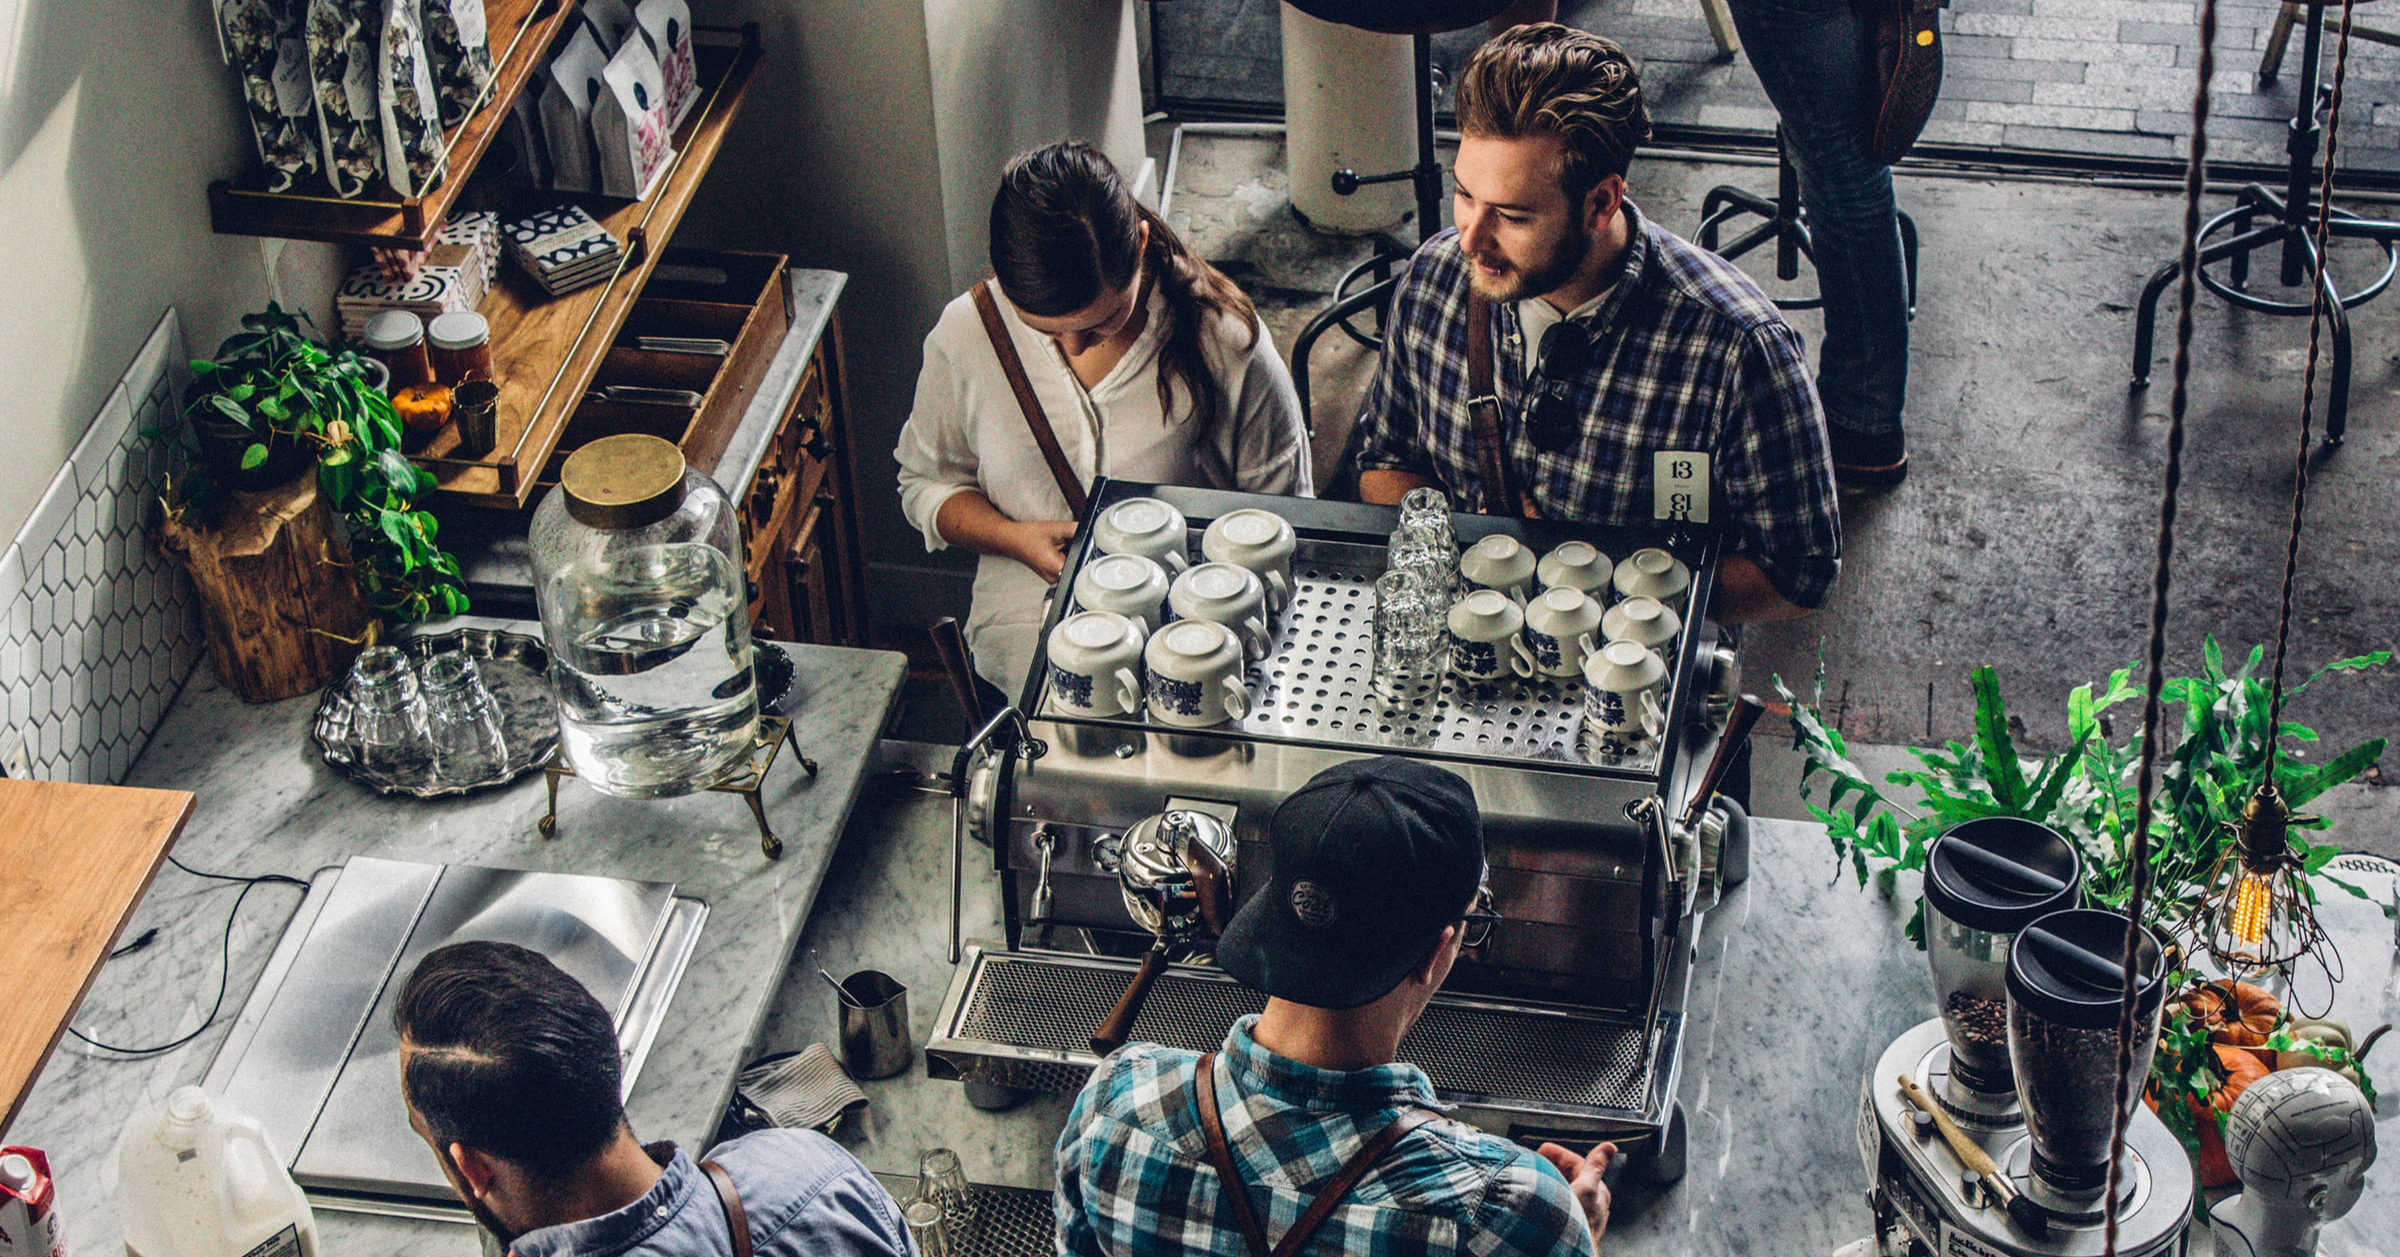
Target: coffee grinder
{"x":2018,"y":1070}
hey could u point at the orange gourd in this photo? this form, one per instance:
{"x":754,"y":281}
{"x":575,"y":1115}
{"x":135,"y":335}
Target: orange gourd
{"x":2237,"y":1014}
{"x":422,"y":409}
{"x":2242,"y":1067}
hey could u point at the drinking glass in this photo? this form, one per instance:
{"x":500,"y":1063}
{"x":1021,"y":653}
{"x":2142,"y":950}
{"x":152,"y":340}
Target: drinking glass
{"x":928,"y":1231}
{"x":1411,"y":636}
{"x":390,"y":721}
{"x":1424,"y":543}
{"x":942,"y":1180}
{"x":462,"y":722}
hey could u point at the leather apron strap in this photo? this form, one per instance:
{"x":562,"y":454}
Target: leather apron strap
{"x":1237,"y":1190}
{"x":731,"y":1199}
{"x":1014,"y":367}
{"x":1500,"y":495}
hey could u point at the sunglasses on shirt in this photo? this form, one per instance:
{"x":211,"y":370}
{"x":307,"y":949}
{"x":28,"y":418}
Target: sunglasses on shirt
{"x":1550,"y":416}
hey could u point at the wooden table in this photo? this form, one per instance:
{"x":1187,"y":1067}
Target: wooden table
{"x":74,"y":859}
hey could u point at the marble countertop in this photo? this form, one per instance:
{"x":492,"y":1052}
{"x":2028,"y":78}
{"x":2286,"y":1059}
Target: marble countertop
{"x":1802,"y":981}
{"x":490,"y":545}
{"x":269,"y":804}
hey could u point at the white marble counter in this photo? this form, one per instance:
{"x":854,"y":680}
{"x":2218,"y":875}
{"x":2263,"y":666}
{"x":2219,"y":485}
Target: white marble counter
{"x":1802,"y":980}
{"x":269,"y":804}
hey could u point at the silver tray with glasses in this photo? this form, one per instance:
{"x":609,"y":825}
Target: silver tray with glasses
{"x":515,"y":668}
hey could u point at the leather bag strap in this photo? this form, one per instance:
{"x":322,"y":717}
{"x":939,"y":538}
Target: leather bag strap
{"x":1220,"y":1155}
{"x":1014,"y":367}
{"x":1483,"y":413}
{"x":731,"y":1199}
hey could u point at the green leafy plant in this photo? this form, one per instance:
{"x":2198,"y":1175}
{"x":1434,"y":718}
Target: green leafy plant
{"x":2086,"y":792}
{"x":271,"y":401}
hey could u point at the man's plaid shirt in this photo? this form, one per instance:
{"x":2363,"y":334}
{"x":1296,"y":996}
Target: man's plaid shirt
{"x":1134,"y":1178}
{"x":1687,"y":354}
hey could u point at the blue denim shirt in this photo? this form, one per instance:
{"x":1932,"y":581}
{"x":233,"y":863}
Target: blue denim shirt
{"x":803,"y":1194}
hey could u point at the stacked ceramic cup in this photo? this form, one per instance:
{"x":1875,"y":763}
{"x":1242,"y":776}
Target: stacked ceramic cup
{"x":1626,"y":679}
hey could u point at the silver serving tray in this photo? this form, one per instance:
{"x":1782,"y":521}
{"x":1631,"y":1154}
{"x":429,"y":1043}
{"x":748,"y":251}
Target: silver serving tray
{"x":515,"y":668}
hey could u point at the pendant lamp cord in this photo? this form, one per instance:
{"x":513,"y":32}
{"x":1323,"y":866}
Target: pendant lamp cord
{"x":2188,"y":264}
{"x":2308,"y":394}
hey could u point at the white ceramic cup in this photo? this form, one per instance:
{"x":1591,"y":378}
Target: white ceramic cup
{"x":1143,"y":526}
{"x":1642,"y":619}
{"x":1559,"y":624}
{"x":1261,"y":541}
{"x":1498,"y":562}
{"x":1095,"y":665}
{"x":1654,"y":573}
{"x":1195,"y":675}
{"x":1128,"y":584}
{"x":1576,"y":565}
{"x":1225,"y":594}
{"x":1624,"y":692}
{"x":1484,"y":641}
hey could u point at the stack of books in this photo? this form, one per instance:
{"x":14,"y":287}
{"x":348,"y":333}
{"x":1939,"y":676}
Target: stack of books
{"x":453,"y":275}
{"x":563,"y":249}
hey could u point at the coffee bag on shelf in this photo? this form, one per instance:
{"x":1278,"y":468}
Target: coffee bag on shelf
{"x":458,"y":38}
{"x":571,"y":83}
{"x":262,"y":41}
{"x":524,"y":130}
{"x":666,"y":25}
{"x":341,"y":65}
{"x":629,"y":123}
{"x":610,"y":22}
{"x":413,"y":153}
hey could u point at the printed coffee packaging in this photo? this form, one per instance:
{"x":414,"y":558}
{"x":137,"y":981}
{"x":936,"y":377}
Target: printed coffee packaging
{"x":571,"y":84}
{"x":629,"y":122}
{"x":412,"y":130}
{"x":456,"y":35}
{"x":262,"y":41}
{"x":666,"y":25}
{"x":611,"y":21}
{"x":341,"y":65}
{"x":524,"y":130}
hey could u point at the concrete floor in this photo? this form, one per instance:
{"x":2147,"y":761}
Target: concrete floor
{"x":2025,"y":534}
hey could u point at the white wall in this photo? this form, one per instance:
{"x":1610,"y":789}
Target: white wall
{"x":114,"y":117}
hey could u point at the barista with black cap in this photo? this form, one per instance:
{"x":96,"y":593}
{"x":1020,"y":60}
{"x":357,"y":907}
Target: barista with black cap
{"x":1377,"y":885}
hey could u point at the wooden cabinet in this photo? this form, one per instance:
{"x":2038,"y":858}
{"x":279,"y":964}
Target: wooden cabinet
{"x":800,"y":518}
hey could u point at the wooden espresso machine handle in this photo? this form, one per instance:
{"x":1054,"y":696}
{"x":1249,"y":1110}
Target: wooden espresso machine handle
{"x":1118,"y":1025}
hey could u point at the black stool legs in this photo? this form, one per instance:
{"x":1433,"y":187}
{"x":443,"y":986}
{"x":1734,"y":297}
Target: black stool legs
{"x":1785,"y":222}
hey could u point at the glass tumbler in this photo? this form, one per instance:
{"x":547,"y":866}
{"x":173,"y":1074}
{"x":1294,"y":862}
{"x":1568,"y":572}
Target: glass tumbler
{"x":928,"y":1231}
{"x":390,"y":720}
{"x":462,"y":722}
{"x":1425,"y":544}
{"x":1411,"y":636}
{"x":942,"y":1180}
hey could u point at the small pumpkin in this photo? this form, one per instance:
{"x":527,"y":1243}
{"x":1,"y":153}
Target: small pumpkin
{"x":2242,"y":1067}
{"x":2237,"y":1014}
{"x":423,"y":409}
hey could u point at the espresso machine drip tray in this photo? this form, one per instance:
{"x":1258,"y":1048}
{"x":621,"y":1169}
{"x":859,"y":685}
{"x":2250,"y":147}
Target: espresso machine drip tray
{"x":314,"y":1057}
{"x":1024,"y":1020}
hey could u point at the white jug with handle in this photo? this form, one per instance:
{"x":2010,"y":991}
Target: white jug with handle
{"x":195,"y":1179}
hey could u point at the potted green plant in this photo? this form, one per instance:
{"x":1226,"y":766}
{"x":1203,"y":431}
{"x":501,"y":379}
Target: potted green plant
{"x":271,"y":404}
{"x":2087,"y":793}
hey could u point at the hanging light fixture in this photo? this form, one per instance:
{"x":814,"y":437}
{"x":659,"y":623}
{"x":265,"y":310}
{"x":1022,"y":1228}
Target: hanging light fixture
{"x":2257,"y":914}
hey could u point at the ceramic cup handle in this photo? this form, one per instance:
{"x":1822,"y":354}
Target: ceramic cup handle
{"x":1175,"y":562}
{"x":1519,"y":657}
{"x":1237,"y":697}
{"x":1254,"y":632}
{"x":1129,"y":690}
{"x":1654,"y":721}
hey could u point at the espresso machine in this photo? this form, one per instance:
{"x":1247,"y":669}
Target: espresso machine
{"x":1986,"y":1130}
{"x":1565,"y":1025}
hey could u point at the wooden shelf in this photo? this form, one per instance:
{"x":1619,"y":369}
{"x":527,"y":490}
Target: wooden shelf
{"x":546,"y":349}
{"x":521,"y":34}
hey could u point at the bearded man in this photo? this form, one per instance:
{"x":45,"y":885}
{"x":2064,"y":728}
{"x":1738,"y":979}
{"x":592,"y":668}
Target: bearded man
{"x":1558,"y":353}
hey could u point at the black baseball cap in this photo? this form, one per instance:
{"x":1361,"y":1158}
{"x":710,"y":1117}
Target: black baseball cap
{"x":1372,"y":858}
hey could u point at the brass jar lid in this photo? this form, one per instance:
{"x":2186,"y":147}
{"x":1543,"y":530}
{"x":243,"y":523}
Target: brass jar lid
{"x":624,"y":481}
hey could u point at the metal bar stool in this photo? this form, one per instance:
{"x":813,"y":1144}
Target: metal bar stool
{"x":2279,"y":38}
{"x":2289,"y":225}
{"x":1785,"y":223}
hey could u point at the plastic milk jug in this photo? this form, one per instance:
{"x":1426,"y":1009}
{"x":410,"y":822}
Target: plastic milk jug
{"x":196,"y":1179}
{"x":28,"y":1206}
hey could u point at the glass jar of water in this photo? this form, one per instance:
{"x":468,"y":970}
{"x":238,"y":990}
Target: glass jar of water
{"x":637,"y":563}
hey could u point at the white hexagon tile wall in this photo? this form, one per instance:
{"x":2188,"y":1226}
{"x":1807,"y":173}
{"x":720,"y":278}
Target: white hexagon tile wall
{"x":101,"y":629}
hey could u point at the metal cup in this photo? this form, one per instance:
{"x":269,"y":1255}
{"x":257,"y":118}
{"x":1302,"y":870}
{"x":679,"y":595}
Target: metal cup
{"x":875,"y":1039}
{"x":475,"y":405}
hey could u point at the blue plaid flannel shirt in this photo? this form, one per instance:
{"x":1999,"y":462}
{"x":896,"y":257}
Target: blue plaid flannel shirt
{"x":1687,"y":354}
{"x":1134,"y":1178}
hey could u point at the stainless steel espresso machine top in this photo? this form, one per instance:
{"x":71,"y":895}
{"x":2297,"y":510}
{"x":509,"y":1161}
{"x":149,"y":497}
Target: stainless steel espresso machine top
{"x":314,"y":1057}
{"x":1567,"y":1021}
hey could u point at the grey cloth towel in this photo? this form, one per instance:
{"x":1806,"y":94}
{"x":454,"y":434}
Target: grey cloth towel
{"x":805,"y":1089}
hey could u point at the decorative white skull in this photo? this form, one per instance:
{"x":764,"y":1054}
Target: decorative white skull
{"x":2302,"y":1138}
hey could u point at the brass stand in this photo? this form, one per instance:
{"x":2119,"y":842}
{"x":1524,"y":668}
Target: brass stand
{"x":746,"y":779}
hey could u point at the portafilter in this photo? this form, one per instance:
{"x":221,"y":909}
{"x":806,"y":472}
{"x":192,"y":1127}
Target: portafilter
{"x":1176,"y":872}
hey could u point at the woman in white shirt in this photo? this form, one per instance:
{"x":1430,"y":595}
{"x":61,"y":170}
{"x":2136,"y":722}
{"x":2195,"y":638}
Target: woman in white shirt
{"x":1146,"y":362}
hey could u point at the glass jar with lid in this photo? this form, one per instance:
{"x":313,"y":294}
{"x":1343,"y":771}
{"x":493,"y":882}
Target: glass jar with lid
{"x":637,"y":564}
{"x":1985,"y":880}
{"x":460,"y":347}
{"x":396,"y":338}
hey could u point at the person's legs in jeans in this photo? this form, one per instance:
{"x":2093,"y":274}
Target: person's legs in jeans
{"x":1813,"y":58}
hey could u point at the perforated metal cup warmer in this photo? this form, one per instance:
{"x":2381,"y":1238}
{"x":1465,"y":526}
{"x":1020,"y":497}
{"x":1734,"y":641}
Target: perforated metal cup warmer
{"x":1567,"y":1022}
